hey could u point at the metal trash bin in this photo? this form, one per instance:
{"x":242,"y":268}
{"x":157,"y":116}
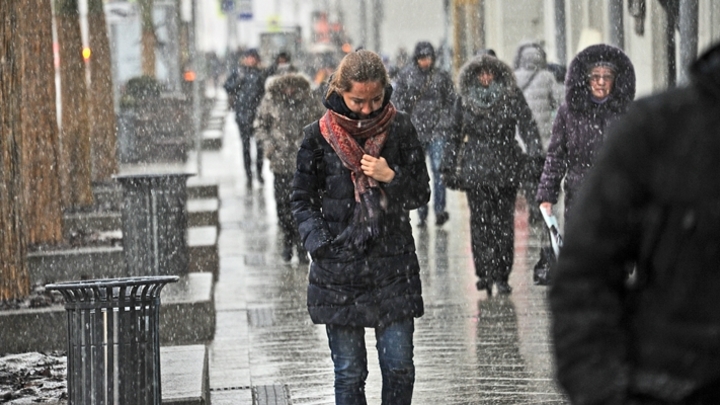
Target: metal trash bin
{"x":113,"y":340}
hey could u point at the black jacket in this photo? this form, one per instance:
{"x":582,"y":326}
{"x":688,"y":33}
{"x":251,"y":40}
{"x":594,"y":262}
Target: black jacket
{"x":382,"y":285}
{"x":652,"y":201}
{"x":245,"y":87}
{"x":428,"y":96}
{"x":486,"y":131}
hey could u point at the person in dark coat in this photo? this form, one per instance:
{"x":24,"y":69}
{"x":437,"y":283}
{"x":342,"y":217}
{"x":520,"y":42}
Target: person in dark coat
{"x":427,"y":93}
{"x":651,"y":201}
{"x":245,"y":87}
{"x":287,"y":106}
{"x":360,"y":169}
{"x":490,"y":110}
{"x":599,"y":86}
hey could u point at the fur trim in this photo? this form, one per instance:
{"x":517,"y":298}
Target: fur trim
{"x":469,"y":71}
{"x":577,"y":87}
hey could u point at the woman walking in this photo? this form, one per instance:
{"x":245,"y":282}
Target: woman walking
{"x":360,"y":169}
{"x":490,"y":110}
{"x":599,"y":86}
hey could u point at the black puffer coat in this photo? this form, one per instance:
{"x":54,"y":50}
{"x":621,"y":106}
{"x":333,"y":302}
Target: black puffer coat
{"x":427,"y":95}
{"x":382,"y":285}
{"x":652,"y":200}
{"x":245,"y":87}
{"x":486,"y":131}
{"x":579,"y":128}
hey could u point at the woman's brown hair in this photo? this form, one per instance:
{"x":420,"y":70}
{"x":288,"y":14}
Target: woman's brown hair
{"x":359,"y":66}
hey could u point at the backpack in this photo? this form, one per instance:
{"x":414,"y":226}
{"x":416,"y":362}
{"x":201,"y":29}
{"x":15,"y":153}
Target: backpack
{"x":312,"y":132}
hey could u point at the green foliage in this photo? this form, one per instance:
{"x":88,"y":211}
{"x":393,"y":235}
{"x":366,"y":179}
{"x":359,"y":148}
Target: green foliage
{"x":138,"y":90}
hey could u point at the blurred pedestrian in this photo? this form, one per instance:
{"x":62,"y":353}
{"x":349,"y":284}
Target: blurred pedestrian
{"x":652,"y":201}
{"x":427,"y":93}
{"x":559,"y":71}
{"x":539,"y":88}
{"x":538,"y":85}
{"x":214,"y":68}
{"x":359,"y":170}
{"x":599,"y":86}
{"x":286,"y":108}
{"x":245,"y":87}
{"x":486,"y":161}
{"x":282,"y":65}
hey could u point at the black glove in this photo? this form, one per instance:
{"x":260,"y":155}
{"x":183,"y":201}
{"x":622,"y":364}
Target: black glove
{"x":335,"y":252}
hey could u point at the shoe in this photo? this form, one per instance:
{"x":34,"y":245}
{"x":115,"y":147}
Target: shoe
{"x":441,"y":218}
{"x":503,"y":287}
{"x":287,"y":253}
{"x":483,"y":284}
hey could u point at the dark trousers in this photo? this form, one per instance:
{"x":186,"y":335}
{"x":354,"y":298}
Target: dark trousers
{"x":395,"y":354}
{"x":247,"y":132}
{"x":282,"y":183}
{"x":492,"y":230}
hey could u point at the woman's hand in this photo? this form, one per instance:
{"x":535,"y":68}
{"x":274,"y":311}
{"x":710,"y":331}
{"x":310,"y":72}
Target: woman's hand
{"x":377,"y":168}
{"x":546,"y":207}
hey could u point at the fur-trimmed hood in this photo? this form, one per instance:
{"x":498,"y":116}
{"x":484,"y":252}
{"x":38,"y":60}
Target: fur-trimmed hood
{"x":277,"y":85}
{"x":467,"y":77}
{"x":577,"y":88}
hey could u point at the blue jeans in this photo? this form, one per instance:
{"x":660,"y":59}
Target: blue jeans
{"x":395,"y":353}
{"x":435,"y":150}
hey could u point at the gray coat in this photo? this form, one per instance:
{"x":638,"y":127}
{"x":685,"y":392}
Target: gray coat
{"x":539,"y":88}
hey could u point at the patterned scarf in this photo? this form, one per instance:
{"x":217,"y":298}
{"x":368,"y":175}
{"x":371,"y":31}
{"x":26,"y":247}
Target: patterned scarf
{"x":343,"y":133}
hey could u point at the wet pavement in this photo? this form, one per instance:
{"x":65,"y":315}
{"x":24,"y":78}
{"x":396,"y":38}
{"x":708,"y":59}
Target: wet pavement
{"x":469,"y":348}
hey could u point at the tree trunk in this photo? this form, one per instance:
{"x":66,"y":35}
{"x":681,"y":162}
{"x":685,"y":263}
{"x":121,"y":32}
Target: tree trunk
{"x":103,"y":129}
{"x":75,"y":172}
{"x":148,"y":37}
{"x":43,"y":210}
{"x":14,"y":281}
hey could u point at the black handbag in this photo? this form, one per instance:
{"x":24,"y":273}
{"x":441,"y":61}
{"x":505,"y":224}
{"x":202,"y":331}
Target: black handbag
{"x":542,"y":272}
{"x":542,"y":269}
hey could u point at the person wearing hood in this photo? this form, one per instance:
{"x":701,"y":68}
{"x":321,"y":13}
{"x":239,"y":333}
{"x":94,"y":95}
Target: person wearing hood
{"x":538,"y":86}
{"x":286,"y":107}
{"x":599,"y":86}
{"x":490,"y":110}
{"x":427,"y":94}
{"x":652,"y":201}
{"x":245,"y":87}
{"x":360,"y":169}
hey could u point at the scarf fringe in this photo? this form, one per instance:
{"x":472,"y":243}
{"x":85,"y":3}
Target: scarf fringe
{"x":366,"y":220}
